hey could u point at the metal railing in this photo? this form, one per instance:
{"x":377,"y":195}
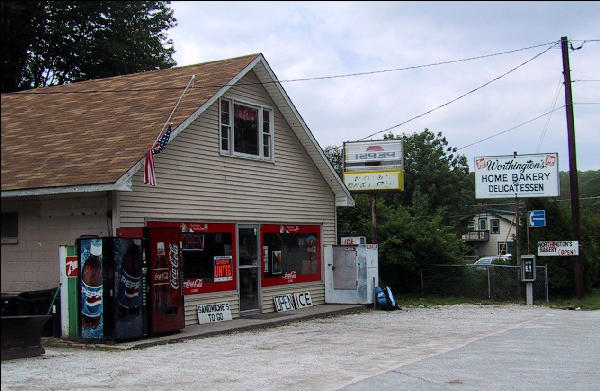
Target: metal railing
{"x":477,"y":236}
{"x":498,"y":282}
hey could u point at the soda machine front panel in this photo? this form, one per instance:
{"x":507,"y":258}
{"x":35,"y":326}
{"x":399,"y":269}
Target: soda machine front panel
{"x":166,"y":298}
{"x":127,"y":255}
{"x":91,"y":289}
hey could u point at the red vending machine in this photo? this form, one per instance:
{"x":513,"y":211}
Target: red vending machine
{"x":166,"y":279}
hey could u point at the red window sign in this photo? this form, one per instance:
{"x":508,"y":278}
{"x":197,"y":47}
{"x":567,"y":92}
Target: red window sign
{"x":223,"y":269}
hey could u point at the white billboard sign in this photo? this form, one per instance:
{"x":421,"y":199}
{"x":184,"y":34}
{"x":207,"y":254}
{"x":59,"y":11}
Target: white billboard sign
{"x":521,"y":176}
{"x":558,"y":248}
{"x":374,"y":181}
{"x":378,"y":155}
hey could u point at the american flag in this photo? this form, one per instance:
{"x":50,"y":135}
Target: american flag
{"x":149,"y":174}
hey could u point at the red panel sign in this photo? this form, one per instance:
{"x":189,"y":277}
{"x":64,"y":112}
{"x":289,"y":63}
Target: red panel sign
{"x":72,"y":266}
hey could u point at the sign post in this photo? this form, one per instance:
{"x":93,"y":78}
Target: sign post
{"x":528,"y":275}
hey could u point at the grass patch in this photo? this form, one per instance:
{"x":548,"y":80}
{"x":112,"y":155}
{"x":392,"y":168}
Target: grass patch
{"x":434,"y":300}
{"x":589,"y":302}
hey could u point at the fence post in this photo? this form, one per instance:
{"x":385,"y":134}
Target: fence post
{"x":489,"y":284}
{"x":546,"y":282}
{"x":422,"y":284}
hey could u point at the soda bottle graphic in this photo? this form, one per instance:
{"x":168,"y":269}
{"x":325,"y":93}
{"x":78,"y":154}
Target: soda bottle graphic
{"x":91,"y":291}
{"x":161,"y":272}
{"x":129,"y":285}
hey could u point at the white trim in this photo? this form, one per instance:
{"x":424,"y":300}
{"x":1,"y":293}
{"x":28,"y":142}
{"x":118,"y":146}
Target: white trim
{"x":69,"y":189}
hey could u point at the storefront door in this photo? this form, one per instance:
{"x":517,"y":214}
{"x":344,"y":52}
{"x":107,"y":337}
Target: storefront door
{"x":249,"y":267}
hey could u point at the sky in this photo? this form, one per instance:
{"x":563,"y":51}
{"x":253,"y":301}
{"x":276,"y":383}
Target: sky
{"x":316,"y":39}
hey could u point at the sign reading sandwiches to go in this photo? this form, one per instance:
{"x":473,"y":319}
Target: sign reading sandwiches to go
{"x":521,"y":176}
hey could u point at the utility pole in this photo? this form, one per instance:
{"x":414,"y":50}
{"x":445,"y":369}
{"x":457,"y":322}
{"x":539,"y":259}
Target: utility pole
{"x":577,"y":260}
{"x":374,"y":218}
{"x":516,"y":244}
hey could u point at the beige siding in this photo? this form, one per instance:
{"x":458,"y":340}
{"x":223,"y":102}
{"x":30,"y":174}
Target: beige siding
{"x":44,"y":225}
{"x":197,"y":183}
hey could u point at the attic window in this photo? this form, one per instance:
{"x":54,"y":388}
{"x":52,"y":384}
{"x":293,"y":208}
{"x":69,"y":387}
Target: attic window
{"x":246,"y":129}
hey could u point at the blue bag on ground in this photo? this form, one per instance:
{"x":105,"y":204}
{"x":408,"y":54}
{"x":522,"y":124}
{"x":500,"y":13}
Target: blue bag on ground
{"x":380,"y":298}
{"x":384,"y":299}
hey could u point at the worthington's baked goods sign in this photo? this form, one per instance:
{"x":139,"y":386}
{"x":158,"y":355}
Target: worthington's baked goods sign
{"x":521,"y":176}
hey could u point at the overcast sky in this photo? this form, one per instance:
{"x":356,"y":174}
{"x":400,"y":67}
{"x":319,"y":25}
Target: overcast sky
{"x":306,"y":39}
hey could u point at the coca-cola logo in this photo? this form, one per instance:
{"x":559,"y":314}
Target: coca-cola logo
{"x":197,"y":283}
{"x":290,"y":276}
{"x":174,"y":258}
{"x":161,"y":276}
{"x":289,"y":229}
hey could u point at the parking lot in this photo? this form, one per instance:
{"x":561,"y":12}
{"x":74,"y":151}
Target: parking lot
{"x":421,"y":348}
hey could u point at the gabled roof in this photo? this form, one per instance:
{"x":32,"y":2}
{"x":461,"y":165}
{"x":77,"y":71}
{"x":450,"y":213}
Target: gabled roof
{"x":93,"y":135}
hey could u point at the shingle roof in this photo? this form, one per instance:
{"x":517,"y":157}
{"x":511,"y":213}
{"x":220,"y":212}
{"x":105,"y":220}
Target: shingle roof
{"x":74,"y":134}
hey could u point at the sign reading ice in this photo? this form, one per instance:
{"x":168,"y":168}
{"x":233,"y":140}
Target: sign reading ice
{"x":521,"y":176}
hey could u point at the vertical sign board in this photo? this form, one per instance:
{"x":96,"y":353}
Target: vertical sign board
{"x":521,"y":176}
{"x":68,"y":290}
{"x":374,"y":165}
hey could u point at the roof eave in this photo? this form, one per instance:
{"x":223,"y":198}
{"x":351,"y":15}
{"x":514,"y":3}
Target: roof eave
{"x":118,"y":186}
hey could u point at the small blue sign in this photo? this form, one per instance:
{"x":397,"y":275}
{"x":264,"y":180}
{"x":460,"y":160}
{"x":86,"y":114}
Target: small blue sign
{"x":537,"y":218}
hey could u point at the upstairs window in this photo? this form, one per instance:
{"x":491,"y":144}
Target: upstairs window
{"x":246,"y":130}
{"x":495,"y":226}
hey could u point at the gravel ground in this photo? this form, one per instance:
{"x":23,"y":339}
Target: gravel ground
{"x":318,"y":354}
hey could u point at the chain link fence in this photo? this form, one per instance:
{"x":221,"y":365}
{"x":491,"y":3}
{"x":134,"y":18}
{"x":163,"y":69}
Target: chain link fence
{"x":496,"y":282}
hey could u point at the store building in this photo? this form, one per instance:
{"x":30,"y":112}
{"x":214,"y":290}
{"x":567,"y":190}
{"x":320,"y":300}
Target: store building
{"x":242,"y":176}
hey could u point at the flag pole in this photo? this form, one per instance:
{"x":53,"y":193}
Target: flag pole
{"x":191,"y":82}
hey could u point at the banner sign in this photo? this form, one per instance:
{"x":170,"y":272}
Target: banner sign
{"x":217,"y":312}
{"x":284,"y":302}
{"x":558,"y":248}
{"x":374,"y":181}
{"x":378,"y":155}
{"x":520,"y":176}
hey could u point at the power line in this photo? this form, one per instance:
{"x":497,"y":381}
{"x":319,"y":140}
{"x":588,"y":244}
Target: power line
{"x":291,"y":80}
{"x":513,"y":128}
{"x":543,"y":134}
{"x":461,"y":96}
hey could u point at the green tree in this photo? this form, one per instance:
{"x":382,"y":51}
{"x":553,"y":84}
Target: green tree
{"x":57,"y":42}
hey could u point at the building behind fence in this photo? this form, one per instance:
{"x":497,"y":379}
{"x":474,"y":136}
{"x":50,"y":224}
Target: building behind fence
{"x":497,"y":282}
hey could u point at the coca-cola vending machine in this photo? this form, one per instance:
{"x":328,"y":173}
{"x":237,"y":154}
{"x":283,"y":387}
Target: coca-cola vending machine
{"x":111,"y":286}
{"x":165,"y":279}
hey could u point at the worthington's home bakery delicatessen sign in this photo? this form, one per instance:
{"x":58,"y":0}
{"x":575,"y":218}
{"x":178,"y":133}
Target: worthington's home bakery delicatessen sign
{"x":521,"y":176}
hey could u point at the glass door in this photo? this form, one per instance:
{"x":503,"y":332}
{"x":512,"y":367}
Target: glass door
{"x":248,"y":268}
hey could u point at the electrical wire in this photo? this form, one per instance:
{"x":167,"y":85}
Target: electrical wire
{"x":461,"y":96}
{"x":508,"y":130}
{"x":543,"y":134}
{"x":27,"y":92}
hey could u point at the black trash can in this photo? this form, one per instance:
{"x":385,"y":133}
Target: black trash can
{"x":38,"y":303}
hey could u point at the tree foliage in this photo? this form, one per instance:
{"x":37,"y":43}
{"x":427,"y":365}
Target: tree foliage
{"x":56,"y":42}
